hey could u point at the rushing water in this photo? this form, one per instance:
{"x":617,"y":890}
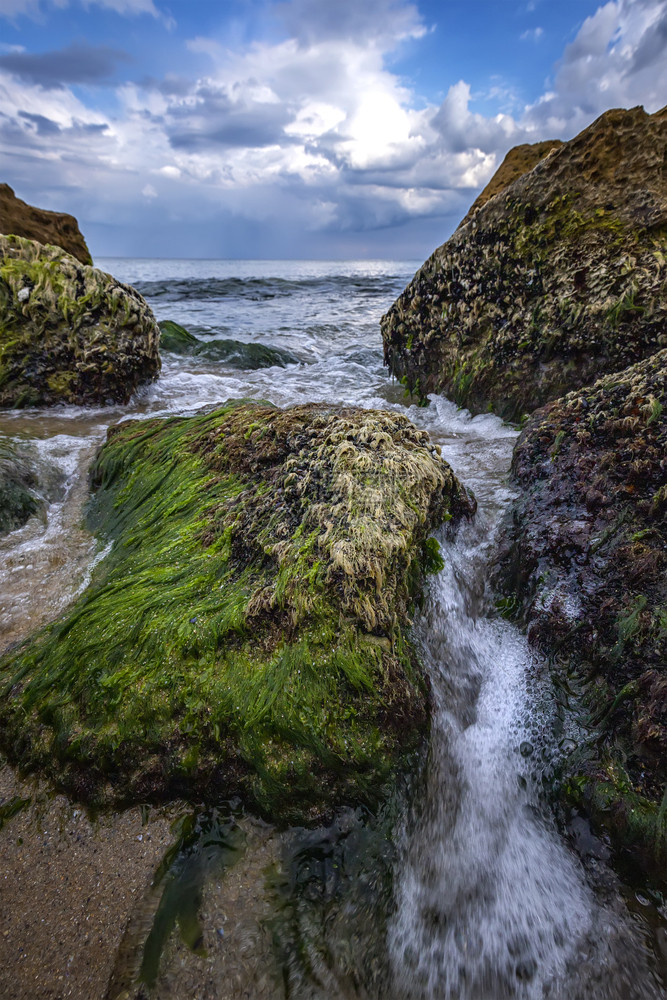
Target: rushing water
{"x":479,"y":896}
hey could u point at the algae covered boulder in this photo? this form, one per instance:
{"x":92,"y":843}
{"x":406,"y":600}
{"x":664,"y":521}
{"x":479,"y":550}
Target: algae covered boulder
{"x":19,"y":498}
{"x":233,"y":353}
{"x":69,"y":333}
{"x":558,"y":279}
{"x":58,"y":228}
{"x":588,"y":563}
{"x":247,"y":632}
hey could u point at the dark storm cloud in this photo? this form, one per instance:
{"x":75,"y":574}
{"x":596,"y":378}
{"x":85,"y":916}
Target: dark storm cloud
{"x":43,"y":126}
{"x":77,"y":63}
{"x":218,"y":121}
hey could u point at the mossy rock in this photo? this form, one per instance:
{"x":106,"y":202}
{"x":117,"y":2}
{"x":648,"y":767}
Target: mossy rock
{"x":555,"y":281}
{"x":19,"y":498}
{"x":586,"y":562}
{"x":234,"y":353}
{"x":69,"y":333}
{"x":248,"y":632}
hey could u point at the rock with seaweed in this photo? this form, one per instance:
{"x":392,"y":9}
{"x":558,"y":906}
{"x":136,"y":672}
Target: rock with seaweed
{"x":248,"y":632}
{"x":587,"y":561}
{"x":558,"y":279}
{"x":69,"y":333}
{"x":234,"y":353}
{"x":19,"y":498}
{"x":58,"y":228}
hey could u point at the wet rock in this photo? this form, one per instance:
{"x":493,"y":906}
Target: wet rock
{"x":57,"y":228}
{"x":553,"y":282}
{"x":234,"y":353}
{"x":19,"y":498}
{"x":587,"y":557}
{"x":247,"y":634}
{"x":68,"y":332}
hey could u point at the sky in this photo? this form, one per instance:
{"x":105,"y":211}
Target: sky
{"x":300,"y":128}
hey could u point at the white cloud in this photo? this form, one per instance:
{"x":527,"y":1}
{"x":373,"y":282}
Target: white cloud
{"x":315,"y":130}
{"x":36,"y":9}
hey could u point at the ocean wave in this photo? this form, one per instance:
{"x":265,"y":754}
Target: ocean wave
{"x":258,"y":289}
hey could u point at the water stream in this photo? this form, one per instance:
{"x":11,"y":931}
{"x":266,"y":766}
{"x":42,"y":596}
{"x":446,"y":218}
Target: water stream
{"x":476,"y":893}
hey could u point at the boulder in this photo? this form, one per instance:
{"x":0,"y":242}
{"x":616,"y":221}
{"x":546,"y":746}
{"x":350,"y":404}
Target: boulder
{"x":554,"y":281}
{"x":69,"y":333}
{"x":62,"y":230}
{"x":248,"y":633}
{"x":587,"y":562}
{"x":233,"y":353}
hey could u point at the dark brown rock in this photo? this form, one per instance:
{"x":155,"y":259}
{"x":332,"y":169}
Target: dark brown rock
{"x":62,"y":230}
{"x":587,"y":561}
{"x":552,"y":283}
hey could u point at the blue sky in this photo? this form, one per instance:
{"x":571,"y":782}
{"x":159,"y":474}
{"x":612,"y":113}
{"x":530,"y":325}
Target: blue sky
{"x":300,"y":128}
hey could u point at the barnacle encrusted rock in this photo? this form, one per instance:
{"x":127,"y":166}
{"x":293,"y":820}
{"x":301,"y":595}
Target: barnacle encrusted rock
{"x":20,"y":219}
{"x":558,"y":279}
{"x":247,"y":632}
{"x":69,"y":333}
{"x":19,"y":498}
{"x":588,"y":561}
{"x":518,"y":161}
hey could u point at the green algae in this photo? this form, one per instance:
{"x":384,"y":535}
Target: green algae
{"x":247,"y":631}
{"x":234,"y":353}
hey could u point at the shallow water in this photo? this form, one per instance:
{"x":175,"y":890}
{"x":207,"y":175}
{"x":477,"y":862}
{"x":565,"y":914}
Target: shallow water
{"x":476,"y":894}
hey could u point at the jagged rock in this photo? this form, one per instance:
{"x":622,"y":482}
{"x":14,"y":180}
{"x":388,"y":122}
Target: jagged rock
{"x":247,"y":632}
{"x":587,"y":561}
{"x":519,"y":161}
{"x":20,"y":219}
{"x":555,"y":281}
{"x":69,"y":333}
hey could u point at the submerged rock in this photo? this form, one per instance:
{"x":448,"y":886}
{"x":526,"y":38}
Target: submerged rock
{"x":19,"y":499}
{"x":235,"y":353}
{"x":553,"y":282}
{"x":247,"y":634}
{"x":69,"y":333}
{"x":57,"y":228}
{"x":588,"y":562}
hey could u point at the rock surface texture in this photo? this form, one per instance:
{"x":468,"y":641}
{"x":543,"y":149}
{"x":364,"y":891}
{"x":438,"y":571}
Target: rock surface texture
{"x":247,"y":632}
{"x":589,"y":565}
{"x":19,"y":498}
{"x":20,"y":219}
{"x":558,"y":279}
{"x":519,"y":161}
{"x":68,"y":332}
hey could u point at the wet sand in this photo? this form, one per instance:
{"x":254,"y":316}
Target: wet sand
{"x":68,"y":886}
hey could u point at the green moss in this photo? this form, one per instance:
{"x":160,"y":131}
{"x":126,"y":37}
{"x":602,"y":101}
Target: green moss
{"x":234,"y":353}
{"x":68,"y":332}
{"x":247,"y":631}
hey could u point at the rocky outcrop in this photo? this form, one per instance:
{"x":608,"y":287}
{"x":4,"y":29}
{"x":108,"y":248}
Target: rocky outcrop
{"x":234,"y":353}
{"x":19,"y":499}
{"x":519,"y":161}
{"x":588,"y":563}
{"x":555,"y":281}
{"x":247,"y":632}
{"x":68,"y":332}
{"x":20,"y":219}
